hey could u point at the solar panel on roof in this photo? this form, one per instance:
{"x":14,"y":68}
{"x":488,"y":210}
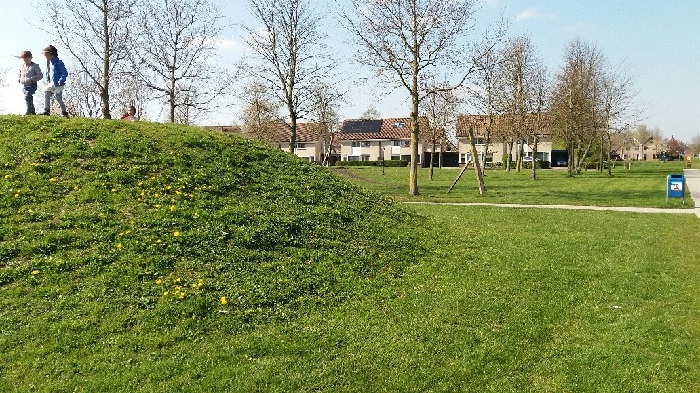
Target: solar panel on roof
{"x":362,"y":126}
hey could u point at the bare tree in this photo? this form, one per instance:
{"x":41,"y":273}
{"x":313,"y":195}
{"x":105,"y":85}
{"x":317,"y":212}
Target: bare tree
{"x":694,"y":145}
{"x":575,"y":101}
{"x":261,"y":111}
{"x":175,"y":54}
{"x":440,"y":109}
{"x":406,"y":41}
{"x":523,"y":89}
{"x":617,"y":109}
{"x":371,"y":114}
{"x":98,"y":34}
{"x":326,"y":104}
{"x":85,"y":98}
{"x":289,"y":50}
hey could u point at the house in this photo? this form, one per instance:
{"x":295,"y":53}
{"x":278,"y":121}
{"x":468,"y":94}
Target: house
{"x":357,"y":140}
{"x":499,"y":142}
{"x":383,"y":139}
{"x":310,"y":142}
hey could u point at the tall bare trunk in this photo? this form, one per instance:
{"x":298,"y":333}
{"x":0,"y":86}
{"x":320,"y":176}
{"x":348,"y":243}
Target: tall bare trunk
{"x":104,"y":94}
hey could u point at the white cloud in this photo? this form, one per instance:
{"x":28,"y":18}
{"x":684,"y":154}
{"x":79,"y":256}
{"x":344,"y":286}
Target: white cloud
{"x":532,"y":13}
{"x":223,"y":43}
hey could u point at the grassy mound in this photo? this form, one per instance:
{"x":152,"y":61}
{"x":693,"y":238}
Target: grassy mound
{"x":110,"y":226}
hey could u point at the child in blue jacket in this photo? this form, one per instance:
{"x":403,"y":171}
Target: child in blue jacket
{"x":56,"y":75}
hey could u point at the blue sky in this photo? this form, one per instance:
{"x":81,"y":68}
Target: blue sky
{"x":657,"y":39}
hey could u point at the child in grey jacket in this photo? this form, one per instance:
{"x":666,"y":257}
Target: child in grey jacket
{"x":29,"y":75}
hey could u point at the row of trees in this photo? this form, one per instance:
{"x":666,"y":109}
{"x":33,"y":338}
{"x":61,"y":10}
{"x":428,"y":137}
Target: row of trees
{"x":129,"y":52}
{"x":409,"y":43}
{"x":132,"y":52}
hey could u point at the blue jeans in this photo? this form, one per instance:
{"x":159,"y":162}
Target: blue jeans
{"x":29,"y":91}
{"x":58,"y":97}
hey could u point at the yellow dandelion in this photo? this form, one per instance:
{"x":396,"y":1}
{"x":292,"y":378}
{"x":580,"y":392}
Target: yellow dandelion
{"x":143,"y":193}
{"x":176,"y":233}
{"x":75,"y":188}
{"x":17,"y":195}
{"x":157,"y":206}
{"x":119,"y":246}
{"x":166,"y":293}
{"x":181,"y":295}
{"x":224,"y":301}
{"x":114,"y":190}
{"x":168,"y":187}
{"x":53,"y":180}
{"x":140,"y":184}
{"x":173,"y":208}
{"x":156,"y":195}
{"x":35,"y":272}
{"x":159,"y":281}
{"x":8,"y":176}
{"x":177,"y":280}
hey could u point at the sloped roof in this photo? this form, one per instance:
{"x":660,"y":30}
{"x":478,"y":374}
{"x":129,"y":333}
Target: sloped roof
{"x":479,"y":122}
{"x":391,"y":128}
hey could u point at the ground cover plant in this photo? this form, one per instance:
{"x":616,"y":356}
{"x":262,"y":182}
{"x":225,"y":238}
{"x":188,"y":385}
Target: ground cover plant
{"x":378,"y":298}
{"x":643,"y":185}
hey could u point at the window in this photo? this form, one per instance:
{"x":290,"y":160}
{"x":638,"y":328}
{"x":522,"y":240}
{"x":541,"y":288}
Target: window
{"x":300,"y":146}
{"x":395,"y":143}
{"x":465,"y":158}
{"x":360,"y":144}
{"x":395,"y":157}
{"x":399,"y":124}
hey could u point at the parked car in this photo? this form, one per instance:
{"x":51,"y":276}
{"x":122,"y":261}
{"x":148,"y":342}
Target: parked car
{"x":561,"y":162}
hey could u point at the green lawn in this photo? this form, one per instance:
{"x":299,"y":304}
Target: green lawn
{"x":542,"y":308}
{"x":327,"y":287}
{"x":644,"y":185}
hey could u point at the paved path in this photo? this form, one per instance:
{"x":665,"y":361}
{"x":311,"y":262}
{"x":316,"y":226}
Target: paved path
{"x":692,"y":181}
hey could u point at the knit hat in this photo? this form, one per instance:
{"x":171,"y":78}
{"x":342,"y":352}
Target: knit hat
{"x":24,"y":54}
{"x":50,"y":49}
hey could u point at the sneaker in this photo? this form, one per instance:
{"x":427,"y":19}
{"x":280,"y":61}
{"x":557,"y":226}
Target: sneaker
{"x":65,"y":114}
{"x":46,"y":113}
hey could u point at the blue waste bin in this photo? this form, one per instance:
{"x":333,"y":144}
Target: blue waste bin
{"x":675,"y":186}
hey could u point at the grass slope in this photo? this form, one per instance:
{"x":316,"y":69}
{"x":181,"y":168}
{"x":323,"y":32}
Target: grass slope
{"x":113,"y":227}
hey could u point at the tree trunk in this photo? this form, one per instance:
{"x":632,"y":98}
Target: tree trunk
{"x":292,"y":130}
{"x":104,"y":94}
{"x":477,"y":167}
{"x":432,"y":155}
{"x":534,"y":158}
{"x":415,"y":131}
